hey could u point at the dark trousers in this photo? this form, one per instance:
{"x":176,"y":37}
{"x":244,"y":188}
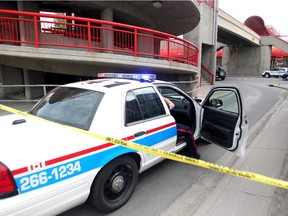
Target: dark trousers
{"x":183,"y":130}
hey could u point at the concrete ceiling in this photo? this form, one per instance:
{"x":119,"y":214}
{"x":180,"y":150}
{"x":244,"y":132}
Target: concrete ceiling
{"x":229,"y":38}
{"x":173,"y":17}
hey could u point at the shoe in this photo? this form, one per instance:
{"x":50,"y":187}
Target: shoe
{"x":196,"y":156}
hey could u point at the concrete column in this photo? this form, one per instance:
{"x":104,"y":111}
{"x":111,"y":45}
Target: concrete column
{"x":107,"y":36}
{"x":31,"y":7}
{"x":33,"y":77}
{"x":27,"y":82}
{"x":204,"y":36}
{"x":1,"y":82}
{"x":195,"y":37}
{"x":248,"y":61}
{"x":12,"y":76}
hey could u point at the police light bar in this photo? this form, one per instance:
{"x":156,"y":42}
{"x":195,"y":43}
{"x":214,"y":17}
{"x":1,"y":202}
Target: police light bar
{"x":140,"y":77}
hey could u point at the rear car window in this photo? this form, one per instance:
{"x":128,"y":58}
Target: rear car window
{"x":70,"y":106}
{"x":142,"y":104}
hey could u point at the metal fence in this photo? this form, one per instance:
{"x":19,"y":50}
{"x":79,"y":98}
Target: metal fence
{"x":71,"y":32}
{"x":46,"y":88}
{"x":19,"y":95}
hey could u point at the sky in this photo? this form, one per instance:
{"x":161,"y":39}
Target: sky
{"x":273,"y":13}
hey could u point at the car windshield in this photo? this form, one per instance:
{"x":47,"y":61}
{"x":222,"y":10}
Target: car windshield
{"x":70,"y":106}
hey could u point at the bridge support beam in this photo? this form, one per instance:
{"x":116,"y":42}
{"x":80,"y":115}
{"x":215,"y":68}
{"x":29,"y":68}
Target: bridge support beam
{"x":246,"y":61}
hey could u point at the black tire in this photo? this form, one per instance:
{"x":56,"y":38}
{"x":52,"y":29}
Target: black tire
{"x":122,"y":173}
{"x":286,"y":78}
{"x":267,"y":75}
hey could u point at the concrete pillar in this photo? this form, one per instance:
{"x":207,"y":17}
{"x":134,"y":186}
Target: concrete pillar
{"x":204,"y":36}
{"x":12,"y":76}
{"x":33,"y":77}
{"x":107,"y":36}
{"x":31,"y":7}
{"x":248,"y":61}
{"x":1,"y":82}
{"x":209,"y":61}
{"x":30,"y":92}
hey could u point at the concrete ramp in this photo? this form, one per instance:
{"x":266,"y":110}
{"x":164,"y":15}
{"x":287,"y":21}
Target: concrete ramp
{"x":275,"y":41}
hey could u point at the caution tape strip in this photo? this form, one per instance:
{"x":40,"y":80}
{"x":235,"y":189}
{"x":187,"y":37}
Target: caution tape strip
{"x":168,"y":155}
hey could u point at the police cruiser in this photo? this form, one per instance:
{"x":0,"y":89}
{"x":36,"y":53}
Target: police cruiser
{"x":47,"y":165}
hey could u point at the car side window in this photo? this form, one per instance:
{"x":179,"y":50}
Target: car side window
{"x":132,"y":109}
{"x":142,"y":104}
{"x":224,"y":100}
{"x":171,"y":94}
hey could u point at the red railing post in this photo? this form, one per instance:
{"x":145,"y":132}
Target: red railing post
{"x":36,"y":32}
{"x":168,"y":49}
{"x":89,"y":36}
{"x":135,"y":42}
{"x":188,"y":54}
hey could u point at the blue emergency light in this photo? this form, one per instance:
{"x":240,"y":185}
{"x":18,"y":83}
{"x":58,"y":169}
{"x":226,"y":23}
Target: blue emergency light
{"x":140,"y":77}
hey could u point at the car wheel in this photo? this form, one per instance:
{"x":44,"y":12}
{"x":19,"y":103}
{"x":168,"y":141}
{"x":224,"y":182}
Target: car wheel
{"x":267,"y":75}
{"x":114,"y":184}
{"x":286,"y":78}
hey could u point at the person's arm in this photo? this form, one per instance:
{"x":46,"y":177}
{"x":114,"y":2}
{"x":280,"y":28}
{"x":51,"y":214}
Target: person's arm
{"x":170,"y":104}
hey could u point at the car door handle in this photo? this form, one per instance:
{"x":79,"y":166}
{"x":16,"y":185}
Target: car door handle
{"x":141,"y":133}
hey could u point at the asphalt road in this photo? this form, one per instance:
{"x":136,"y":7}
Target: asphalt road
{"x":217,"y":194}
{"x":162,"y":190}
{"x":171,"y":188}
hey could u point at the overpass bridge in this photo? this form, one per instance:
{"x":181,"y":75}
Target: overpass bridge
{"x":233,"y":32}
{"x":247,"y":47}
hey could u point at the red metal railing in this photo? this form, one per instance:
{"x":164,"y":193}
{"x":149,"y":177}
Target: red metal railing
{"x":52,"y":30}
{"x":210,"y":74}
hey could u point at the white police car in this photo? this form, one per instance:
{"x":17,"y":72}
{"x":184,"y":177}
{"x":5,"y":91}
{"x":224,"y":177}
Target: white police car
{"x":48,"y":168}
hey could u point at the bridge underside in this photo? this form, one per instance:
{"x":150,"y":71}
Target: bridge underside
{"x":245,"y":53}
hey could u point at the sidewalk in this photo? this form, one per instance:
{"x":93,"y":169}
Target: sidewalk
{"x":218,"y":194}
{"x":203,"y":91}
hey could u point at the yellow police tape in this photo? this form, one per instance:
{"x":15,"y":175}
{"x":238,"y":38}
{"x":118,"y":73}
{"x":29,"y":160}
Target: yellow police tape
{"x":169,"y":155}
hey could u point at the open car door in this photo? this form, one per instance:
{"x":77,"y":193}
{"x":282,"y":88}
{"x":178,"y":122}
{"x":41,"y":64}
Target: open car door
{"x":223,"y":119}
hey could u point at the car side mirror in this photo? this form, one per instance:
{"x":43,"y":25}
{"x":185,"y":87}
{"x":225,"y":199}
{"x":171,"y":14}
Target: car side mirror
{"x":216,"y":103}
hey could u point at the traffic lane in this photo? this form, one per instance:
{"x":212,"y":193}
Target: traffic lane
{"x":159,"y":186}
{"x":231,"y":194}
{"x":268,"y":155}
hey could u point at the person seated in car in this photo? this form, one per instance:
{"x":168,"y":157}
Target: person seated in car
{"x":183,"y":130}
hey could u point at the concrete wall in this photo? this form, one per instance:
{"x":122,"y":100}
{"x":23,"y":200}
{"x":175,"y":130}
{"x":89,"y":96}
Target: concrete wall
{"x":1,"y":78}
{"x":12,"y":76}
{"x":248,"y":61}
{"x":205,"y":36}
{"x":33,"y":77}
{"x":208,"y":25}
{"x":8,"y":5}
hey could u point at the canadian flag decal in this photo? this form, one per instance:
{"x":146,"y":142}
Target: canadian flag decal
{"x":36,"y":166}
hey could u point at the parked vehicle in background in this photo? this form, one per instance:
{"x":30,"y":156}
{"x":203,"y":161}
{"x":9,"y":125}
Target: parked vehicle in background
{"x":277,"y":72}
{"x":220,"y":73}
{"x":285,"y":76}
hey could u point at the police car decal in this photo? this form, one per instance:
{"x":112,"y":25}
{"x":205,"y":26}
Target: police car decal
{"x":28,"y":179}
